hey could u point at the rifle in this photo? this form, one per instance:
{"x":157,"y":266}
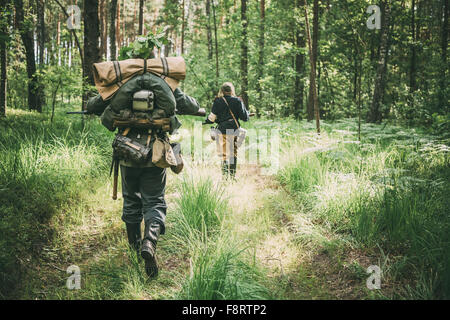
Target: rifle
{"x":200,"y":113}
{"x":115,"y":167}
{"x":78,"y":112}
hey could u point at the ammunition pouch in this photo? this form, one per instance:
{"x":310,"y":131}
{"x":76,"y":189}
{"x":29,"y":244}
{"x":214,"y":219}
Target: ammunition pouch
{"x":130,"y":150}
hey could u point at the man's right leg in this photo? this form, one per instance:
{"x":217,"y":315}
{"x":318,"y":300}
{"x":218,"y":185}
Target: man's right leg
{"x":153,"y":185}
{"x":132,"y":204}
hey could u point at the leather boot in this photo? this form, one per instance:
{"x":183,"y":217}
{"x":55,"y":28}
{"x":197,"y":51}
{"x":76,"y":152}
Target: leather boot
{"x":134,"y":235}
{"x":148,"y":251}
{"x":233,"y":168}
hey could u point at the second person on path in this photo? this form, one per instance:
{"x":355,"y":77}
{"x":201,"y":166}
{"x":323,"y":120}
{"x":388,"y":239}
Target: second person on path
{"x":226,"y":111}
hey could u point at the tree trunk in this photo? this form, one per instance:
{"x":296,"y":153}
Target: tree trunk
{"x":103,"y":28}
{"x":27,"y":38}
{"x":141,"y":17}
{"x":216,"y":44}
{"x":315,"y":39}
{"x":299,"y":69}
{"x":380,"y":79}
{"x":208,"y":29}
{"x":260,"y":67}
{"x":444,"y":70}
{"x":91,"y":42}
{"x":118,"y":36}
{"x":40,"y":8}
{"x":313,"y":70}
{"x":112,"y":29}
{"x":412,"y":70}
{"x":244,"y":54}
{"x":183,"y":22}
{"x":3,"y":59}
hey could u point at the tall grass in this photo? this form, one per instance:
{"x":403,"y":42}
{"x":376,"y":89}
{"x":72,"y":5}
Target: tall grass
{"x":391,"y":191}
{"x":219,"y":266}
{"x":42,"y":166}
{"x":220,"y":272}
{"x":201,"y":209}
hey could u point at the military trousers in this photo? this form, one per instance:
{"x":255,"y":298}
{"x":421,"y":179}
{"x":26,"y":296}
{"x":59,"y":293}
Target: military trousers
{"x":227,"y":147}
{"x":143,"y":191}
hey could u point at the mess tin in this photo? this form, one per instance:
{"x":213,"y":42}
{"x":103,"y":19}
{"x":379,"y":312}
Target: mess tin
{"x":143,"y":101}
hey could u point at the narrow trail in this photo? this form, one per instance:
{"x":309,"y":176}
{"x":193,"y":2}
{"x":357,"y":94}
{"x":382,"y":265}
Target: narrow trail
{"x":265,"y":218}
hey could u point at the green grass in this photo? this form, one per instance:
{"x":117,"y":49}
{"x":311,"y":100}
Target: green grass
{"x":201,"y":209}
{"x":219,"y":265}
{"x":385,"y":199}
{"x":42,"y":167}
{"x":390,"y":191}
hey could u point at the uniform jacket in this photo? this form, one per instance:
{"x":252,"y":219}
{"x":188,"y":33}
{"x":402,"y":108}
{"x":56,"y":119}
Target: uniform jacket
{"x":220,"y":113}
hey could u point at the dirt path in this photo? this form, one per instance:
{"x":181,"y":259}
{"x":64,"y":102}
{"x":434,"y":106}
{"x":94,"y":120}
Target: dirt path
{"x":295,"y":254}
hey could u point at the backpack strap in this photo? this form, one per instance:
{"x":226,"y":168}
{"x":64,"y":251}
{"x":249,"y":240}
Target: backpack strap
{"x":145,"y":66}
{"x":232,"y":114}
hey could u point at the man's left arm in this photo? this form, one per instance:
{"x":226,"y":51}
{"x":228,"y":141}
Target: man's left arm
{"x":185,"y":104}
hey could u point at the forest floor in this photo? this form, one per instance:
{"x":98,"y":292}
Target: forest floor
{"x":109,"y":269}
{"x":308,"y":231}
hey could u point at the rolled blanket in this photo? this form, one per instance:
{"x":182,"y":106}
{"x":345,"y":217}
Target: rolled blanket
{"x":109,"y":76}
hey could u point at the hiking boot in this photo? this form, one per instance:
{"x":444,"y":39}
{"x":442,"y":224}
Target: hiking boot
{"x":148,"y":250}
{"x":134,"y":235}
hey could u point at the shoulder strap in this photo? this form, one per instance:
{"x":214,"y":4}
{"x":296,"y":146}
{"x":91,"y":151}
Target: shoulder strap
{"x":232,"y":114}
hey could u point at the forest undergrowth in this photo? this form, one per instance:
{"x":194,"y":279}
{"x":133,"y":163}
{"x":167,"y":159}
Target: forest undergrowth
{"x":307,"y":231}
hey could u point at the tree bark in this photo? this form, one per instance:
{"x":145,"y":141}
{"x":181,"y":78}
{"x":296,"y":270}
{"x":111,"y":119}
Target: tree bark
{"x":3,"y":59}
{"x":315,"y":39}
{"x":313,"y":70}
{"x":299,"y":68}
{"x":103,"y":28}
{"x":244,"y":54}
{"x":141,"y":17}
{"x":40,"y":8}
{"x":412,"y":70}
{"x":91,"y":42}
{"x":183,"y":22}
{"x":260,"y":67}
{"x":118,"y":36}
{"x":216,"y":44}
{"x":443,"y":105}
{"x":26,"y":34}
{"x":112,"y":29}
{"x":208,"y":29}
{"x":380,"y":79}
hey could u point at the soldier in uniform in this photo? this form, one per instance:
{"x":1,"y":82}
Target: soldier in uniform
{"x":226,"y":111}
{"x":143,"y":185}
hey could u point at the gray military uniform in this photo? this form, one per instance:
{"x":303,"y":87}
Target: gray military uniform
{"x":143,"y":186}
